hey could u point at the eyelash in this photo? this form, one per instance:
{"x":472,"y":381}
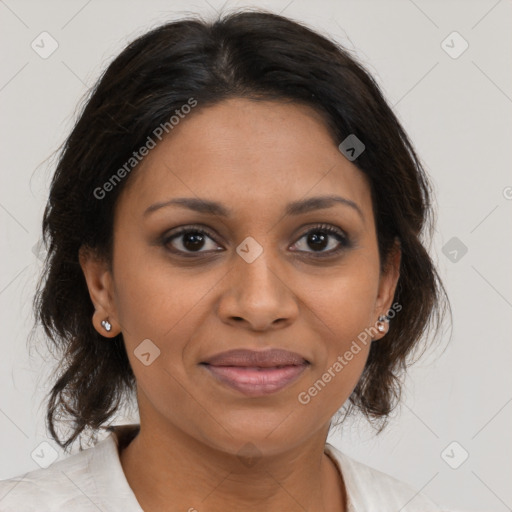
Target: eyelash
{"x":345,"y":243}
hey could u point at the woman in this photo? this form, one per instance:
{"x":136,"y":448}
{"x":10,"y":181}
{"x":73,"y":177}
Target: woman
{"x":233,"y":233}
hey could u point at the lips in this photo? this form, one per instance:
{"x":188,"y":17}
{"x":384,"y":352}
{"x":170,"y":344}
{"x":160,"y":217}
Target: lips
{"x":265,"y":359}
{"x":256,"y":373}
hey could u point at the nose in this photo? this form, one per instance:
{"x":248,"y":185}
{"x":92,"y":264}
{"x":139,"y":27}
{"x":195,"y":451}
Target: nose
{"x":258,"y":294}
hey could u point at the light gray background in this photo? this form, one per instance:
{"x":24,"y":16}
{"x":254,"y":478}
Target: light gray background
{"x":458,"y":114}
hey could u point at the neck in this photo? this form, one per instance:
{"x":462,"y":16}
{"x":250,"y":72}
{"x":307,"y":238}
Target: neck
{"x":171,"y":471}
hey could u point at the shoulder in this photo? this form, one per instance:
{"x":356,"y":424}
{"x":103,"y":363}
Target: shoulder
{"x":50,"y":488}
{"x":89,"y":480}
{"x":371,"y":490}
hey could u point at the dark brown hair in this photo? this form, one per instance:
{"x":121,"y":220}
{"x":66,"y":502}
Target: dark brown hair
{"x":245,"y":54}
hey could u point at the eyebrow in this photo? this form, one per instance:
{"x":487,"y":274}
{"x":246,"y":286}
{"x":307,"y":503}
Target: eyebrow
{"x":294,"y":208}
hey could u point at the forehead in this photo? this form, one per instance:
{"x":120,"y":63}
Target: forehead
{"x":244,"y":152}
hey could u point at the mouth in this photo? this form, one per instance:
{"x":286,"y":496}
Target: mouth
{"x":256,"y":373}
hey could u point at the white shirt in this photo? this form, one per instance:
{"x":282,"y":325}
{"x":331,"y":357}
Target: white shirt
{"x":93,"y":480}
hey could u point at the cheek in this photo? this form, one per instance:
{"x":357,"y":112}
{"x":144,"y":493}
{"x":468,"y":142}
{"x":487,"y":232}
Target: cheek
{"x":158,"y":302}
{"x":343,"y":308}
{"x":151,"y":295}
{"x":345,"y":301}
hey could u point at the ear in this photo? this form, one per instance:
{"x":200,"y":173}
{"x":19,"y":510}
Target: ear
{"x":100,"y":284}
{"x":387,"y":284}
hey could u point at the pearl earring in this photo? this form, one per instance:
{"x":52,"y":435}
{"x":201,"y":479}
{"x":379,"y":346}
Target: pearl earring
{"x":106,"y":325}
{"x":380,"y":323}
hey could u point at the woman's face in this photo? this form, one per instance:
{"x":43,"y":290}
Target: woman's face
{"x":267,"y":275}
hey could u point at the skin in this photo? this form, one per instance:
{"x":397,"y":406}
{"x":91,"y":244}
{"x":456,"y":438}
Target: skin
{"x":254,"y":157}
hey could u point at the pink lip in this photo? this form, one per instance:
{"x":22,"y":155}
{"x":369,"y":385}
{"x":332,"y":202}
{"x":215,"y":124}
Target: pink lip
{"x":266,"y":359}
{"x":256,"y":373}
{"x":257,"y":381}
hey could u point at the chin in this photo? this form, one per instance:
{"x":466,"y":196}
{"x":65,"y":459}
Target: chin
{"x":254,"y":434}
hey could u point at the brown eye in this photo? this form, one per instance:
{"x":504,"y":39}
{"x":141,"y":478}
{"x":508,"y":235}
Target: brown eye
{"x":324,"y":240}
{"x":190,"y":240}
